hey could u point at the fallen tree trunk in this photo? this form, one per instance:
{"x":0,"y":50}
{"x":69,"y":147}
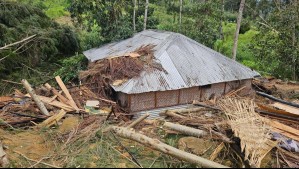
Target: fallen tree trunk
{"x":140,"y":119}
{"x":276,"y":99}
{"x":37,"y":100}
{"x":159,"y":146}
{"x":185,"y":130}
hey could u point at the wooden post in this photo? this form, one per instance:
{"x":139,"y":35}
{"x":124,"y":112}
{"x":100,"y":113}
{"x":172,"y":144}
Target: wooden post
{"x":38,"y":102}
{"x":164,"y":148}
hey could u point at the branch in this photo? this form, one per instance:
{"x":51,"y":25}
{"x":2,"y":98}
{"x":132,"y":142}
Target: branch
{"x":16,"y":43}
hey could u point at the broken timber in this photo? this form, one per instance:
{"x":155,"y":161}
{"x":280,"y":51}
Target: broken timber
{"x":140,"y":119}
{"x":66,"y":92}
{"x":278,"y":100}
{"x":37,"y":100}
{"x":162,"y":147}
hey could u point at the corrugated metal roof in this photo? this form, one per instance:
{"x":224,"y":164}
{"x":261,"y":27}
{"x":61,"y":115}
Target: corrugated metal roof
{"x":186,"y":62}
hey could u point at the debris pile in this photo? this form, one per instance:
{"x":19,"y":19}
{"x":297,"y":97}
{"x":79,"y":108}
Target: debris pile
{"x":259,"y":130}
{"x":117,"y":70}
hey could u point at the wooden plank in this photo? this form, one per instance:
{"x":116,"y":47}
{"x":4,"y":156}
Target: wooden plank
{"x":53,"y":119}
{"x":290,"y":109}
{"x":66,"y":92}
{"x":6,"y":99}
{"x":274,"y":110}
{"x":58,"y":94}
{"x":56,"y":103}
{"x":283,"y":127}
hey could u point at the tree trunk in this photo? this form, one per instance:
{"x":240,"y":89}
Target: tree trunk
{"x":134,"y":16}
{"x":181,"y":9}
{"x":239,"y":20}
{"x":185,"y":130}
{"x":221,"y":20}
{"x":294,"y":39}
{"x":37,"y":100}
{"x":164,"y":148}
{"x":145,"y":14}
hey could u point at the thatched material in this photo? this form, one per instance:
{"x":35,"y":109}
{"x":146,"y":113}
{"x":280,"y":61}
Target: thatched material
{"x":102,"y":73}
{"x":251,"y":128}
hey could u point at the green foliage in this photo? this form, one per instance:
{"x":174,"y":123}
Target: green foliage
{"x":52,"y":42}
{"x":244,"y":54}
{"x":114,"y":17}
{"x":70,"y":67}
{"x":52,"y":8}
{"x":92,"y":38}
{"x":276,"y":47}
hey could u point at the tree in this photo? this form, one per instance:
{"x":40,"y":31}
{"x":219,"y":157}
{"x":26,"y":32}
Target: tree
{"x":51,"y":43}
{"x":238,"y":29}
{"x":145,"y":15}
{"x":134,"y":16}
{"x":181,"y":8}
{"x":221,"y":20}
{"x":276,"y":46}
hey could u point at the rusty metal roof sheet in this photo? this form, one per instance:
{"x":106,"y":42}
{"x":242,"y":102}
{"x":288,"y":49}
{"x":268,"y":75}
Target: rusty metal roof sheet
{"x":186,"y":62}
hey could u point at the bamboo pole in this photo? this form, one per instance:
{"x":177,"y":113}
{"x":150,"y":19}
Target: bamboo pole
{"x":185,"y":130}
{"x":164,"y":148}
{"x":38,"y":102}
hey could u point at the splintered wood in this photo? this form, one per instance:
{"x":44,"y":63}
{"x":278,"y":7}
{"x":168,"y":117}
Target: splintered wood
{"x":251,"y":128}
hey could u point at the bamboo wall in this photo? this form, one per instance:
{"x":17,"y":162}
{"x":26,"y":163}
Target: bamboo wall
{"x":152,"y":100}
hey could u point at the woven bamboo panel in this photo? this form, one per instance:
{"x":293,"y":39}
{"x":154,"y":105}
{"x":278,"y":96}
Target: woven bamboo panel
{"x":215,"y":90}
{"x":167,"y":98}
{"x":190,"y":94}
{"x":144,"y":101}
{"x":232,"y":86}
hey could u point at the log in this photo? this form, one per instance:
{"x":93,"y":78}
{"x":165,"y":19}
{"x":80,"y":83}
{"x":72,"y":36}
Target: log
{"x":173,"y":114}
{"x":276,"y":99}
{"x":37,"y":100}
{"x":164,"y":148}
{"x":140,"y":119}
{"x":185,"y":130}
{"x":190,"y":110}
{"x":66,"y":92}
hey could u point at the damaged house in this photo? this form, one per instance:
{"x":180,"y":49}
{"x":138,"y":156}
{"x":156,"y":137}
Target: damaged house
{"x":189,"y":71}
